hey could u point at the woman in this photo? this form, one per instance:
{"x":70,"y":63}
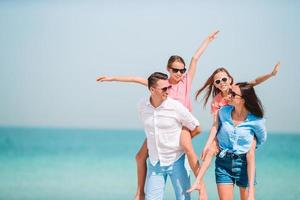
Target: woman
{"x":238,"y":124}
{"x":218,"y":85}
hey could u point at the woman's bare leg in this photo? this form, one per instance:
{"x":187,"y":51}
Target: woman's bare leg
{"x":225,"y":191}
{"x":141,"y":158}
{"x":251,"y":171}
{"x":244,"y":194}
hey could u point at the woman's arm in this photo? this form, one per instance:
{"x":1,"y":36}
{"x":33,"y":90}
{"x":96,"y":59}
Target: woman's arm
{"x":260,"y":132}
{"x":129,"y":79}
{"x":199,"y":52}
{"x":265,"y":77}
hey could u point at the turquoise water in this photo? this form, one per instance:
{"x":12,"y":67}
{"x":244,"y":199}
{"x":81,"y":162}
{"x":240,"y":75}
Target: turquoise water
{"x":54,"y":164}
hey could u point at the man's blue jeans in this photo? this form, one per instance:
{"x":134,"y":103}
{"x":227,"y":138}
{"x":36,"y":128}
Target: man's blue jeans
{"x":157,"y":177}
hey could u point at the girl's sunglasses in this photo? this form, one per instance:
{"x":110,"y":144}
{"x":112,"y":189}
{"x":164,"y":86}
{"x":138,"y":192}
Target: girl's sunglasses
{"x":218,"y":81}
{"x":174,"y":70}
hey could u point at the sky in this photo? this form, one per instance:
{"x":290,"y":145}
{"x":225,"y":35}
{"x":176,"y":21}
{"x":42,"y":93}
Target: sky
{"x":51,"y":53}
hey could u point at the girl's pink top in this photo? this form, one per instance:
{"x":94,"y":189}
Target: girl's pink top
{"x":181,"y":91}
{"x":217,"y":103}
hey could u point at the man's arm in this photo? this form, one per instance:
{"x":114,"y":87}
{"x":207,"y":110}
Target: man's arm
{"x":260,"y":132}
{"x":187,"y":119}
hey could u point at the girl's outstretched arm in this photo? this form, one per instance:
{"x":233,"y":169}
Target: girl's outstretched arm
{"x":199,"y":52}
{"x":265,"y":77}
{"x":129,"y":79}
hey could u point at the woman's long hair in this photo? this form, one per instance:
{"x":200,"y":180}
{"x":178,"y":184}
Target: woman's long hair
{"x":252,"y":102}
{"x":209,"y":85}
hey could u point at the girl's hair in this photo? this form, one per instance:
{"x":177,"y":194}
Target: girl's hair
{"x":209,"y":85}
{"x":173,"y":59}
{"x":252,"y":102}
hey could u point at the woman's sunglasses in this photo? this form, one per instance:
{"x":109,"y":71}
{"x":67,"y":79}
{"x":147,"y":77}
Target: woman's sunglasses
{"x":174,"y":70}
{"x":233,"y":94}
{"x":218,"y":81}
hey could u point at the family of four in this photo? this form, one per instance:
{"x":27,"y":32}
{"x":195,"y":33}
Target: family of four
{"x":238,"y":129}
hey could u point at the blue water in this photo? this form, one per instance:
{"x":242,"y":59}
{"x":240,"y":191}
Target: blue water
{"x":54,"y":164}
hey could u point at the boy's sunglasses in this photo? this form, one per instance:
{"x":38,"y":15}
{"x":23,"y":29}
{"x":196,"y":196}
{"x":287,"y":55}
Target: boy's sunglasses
{"x":164,"y":89}
{"x":233,"y":94}
{"x":182,"y":71}
{"x":218,"y":81}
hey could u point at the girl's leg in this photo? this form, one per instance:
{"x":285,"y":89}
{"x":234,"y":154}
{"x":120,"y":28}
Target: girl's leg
{"x":251,"y":170}
{"x":141,"y":158}
{"x":186,"y":143}
{"x":225,"y":191}
{"x":213,"y":150}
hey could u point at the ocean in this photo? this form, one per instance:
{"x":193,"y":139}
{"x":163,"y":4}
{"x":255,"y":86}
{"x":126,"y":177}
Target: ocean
{"x":79,"y":164}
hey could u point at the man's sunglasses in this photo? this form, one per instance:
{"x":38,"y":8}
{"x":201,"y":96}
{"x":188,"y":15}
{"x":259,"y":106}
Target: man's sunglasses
{"x":233,"y":94}
{"x":182,"y":71}
{"x":164,"y":89}
{"x":218,"y":81}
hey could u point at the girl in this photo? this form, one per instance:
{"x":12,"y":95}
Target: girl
{"x":180,"y":82}
{"x":218,"y":84}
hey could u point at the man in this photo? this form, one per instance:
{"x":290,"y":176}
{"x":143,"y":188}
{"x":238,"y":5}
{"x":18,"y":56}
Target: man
{"x":163,"y":120}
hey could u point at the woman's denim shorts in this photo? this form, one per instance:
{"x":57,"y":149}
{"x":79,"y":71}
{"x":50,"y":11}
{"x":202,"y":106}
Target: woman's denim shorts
{"x":232,"y":169}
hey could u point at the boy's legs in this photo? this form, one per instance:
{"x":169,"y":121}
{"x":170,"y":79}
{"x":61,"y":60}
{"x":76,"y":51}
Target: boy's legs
{"x":155,"y":182}
{"x":141,"y":158}
{"x":180,"y":179}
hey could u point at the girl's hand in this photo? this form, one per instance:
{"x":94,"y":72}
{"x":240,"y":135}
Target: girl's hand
{"x":212,"y":36}
{"x":212,"y":149}
{"x":204,"y":153}
{"x":104,"y":78}
{"x":195,"y":186}
{"x":275,"y":69}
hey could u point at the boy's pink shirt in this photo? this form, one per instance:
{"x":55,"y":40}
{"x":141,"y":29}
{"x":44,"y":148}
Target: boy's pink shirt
{"x":217,"y":103}
{"x":181,"y":91}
